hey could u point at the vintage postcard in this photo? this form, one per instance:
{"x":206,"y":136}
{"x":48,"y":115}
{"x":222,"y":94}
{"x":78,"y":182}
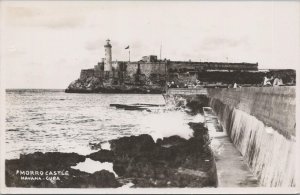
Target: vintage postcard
{"x":149,"y":96}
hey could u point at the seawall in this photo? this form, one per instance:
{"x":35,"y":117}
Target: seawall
{"x":261,"y":123}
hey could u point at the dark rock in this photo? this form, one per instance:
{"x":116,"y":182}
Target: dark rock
{"x":96,"y":85}
{"x":171,"y":162}
{"x":104,"y":179}
{"x":86,"y":85}
{"x":132,"y":145}
{"x":128,"y":149}
{"x":56,"y":172}
{"x":196,"y":103}
{"x":79,"y":179}
{"x":102,"y":156}
{"x":120,"y":166}
{"x":199,"y":129}
{"x":171,"y":141}
{"x":183,"y":163}
{"x":49,"y":160}
{"x":95,"y":146}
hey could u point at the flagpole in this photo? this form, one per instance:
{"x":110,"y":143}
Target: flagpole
{"x":128,"y":47}
{"x":160,"y":51}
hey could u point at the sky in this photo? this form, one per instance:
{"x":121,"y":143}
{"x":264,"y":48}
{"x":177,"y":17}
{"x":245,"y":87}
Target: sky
{"x":45,"y":44}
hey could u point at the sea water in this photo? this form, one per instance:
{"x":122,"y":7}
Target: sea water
{"x":55,"y":121}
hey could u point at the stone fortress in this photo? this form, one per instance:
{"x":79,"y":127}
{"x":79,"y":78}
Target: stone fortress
{"x":150,"y":74}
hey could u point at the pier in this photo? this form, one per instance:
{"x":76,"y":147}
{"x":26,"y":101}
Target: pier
{"x":253,"y":133}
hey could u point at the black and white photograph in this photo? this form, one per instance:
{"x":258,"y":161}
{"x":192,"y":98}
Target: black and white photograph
{"x":149,"y":96}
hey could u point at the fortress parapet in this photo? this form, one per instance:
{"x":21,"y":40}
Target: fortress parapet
{"x":179,"y":66}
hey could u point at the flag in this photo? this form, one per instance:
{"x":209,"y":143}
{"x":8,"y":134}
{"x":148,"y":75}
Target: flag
{"x":127,"y":47}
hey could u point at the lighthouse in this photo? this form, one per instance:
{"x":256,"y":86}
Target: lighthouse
{"x":108,"y":57}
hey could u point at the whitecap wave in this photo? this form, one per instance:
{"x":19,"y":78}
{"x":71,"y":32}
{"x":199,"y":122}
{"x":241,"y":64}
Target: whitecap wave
{"x":167,"y":124}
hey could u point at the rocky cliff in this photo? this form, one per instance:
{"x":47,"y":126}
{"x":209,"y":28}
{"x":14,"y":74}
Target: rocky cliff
{"x":96,"y":85}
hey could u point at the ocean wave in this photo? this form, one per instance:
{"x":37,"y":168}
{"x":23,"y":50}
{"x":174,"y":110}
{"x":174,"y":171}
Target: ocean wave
{"x":84,"y":121}
{"x":16,"y":129}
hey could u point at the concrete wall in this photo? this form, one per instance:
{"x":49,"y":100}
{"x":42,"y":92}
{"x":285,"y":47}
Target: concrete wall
{"x":261,"y":123}
{"x":275,"y":106}
{"x":186,"y":91}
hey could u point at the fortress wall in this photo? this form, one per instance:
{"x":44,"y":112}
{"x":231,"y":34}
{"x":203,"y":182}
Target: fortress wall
{"x":131,"y":69}
{"x":261,"y":124}
{"x":146,"y":68}
{"x":85,"y":73}
{"x":181,"y":79}
{"x":152,"y":68}
{"x":156,"y":71}
{"x":211,"y":65}
{"x":184,"y":65}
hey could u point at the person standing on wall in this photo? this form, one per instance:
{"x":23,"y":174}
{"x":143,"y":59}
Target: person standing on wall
{"x":278,"y":81}
{"x":268,"y":80}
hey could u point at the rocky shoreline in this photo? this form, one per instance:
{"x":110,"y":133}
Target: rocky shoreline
{"x":94,"y":85}
{"x":168,"y":162}
{"x":137,"y":160}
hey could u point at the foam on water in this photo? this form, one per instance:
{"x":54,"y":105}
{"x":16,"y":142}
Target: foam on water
{"x":127,"y":185}
{"x":199,"y":118}
{"x":105,"y":146}
{"x":167,"y":124}
{"x":91,"y":166}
